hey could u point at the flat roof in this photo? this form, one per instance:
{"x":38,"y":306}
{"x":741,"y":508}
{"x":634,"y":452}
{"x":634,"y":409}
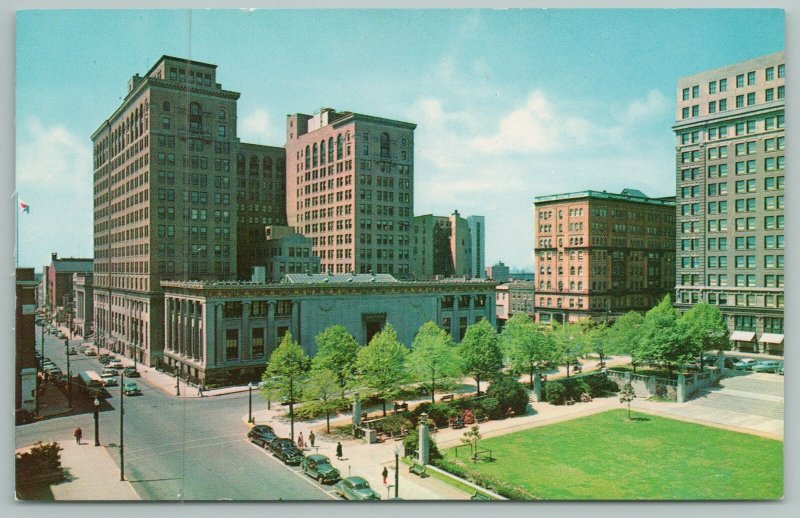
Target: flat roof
{"x":627,"y":195}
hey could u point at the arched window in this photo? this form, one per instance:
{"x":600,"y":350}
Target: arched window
{"x":253,"y":165}
{"x":330,"y":149}
{"x":315,"y":155}
{"x":221,"y":115}
{"x":322,"y":152}
{"x":166,"y":106}
{"x":384,"y":145}
{"x":240,"y":164}
{"x":281,"y":165}
{"x":195,"y":118}
{"x":267,"y":164}
{"x":308,"y":157}
{"x":339,"y":147}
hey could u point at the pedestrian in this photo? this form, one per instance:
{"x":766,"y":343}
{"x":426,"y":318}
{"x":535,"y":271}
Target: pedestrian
{"x":78,"y":434}
{"x":200,"y":390}
{"x":300,"y":441}
{"x":385,"y":474}
{"x":311,"y":438}
{"x":338,"y":450}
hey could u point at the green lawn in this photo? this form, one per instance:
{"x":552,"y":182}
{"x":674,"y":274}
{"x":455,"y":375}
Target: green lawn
{"x":607,"y":457}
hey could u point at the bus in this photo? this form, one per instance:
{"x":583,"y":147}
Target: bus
{"x":91,"y":383}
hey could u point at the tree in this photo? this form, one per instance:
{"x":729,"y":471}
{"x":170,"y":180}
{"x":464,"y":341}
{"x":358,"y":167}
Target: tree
{"x":471,"y":437}
{"x":623,"y":337}
{"x":380,"y":366}
{"x":322,"y":385}
{"x":287,"y":366}
{"x":526,"y":347}
{"x":705,"y":329}
{"x":597,"y":342}
{"x":509,"y":393}
{"x":433,"y":359}
{"x":480,"y":352}
{"x":662,"y":339}
{"x":570,"y":343}
{"x":336,"y":351}
{"x":626,"y":395}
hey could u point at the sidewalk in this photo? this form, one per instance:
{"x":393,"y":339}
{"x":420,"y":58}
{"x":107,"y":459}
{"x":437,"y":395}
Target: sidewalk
{"x":90,"y":474}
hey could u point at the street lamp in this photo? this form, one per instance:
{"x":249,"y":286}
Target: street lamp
{"x":178,"y":381}
{"x":396,"y":470}
{"x":121,"y":426}
{"x":96,"y":422}
{"x":69,"y":376}
{"x":250,"y":402}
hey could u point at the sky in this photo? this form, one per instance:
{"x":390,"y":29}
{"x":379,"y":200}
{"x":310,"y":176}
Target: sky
{"x":509,"y":104}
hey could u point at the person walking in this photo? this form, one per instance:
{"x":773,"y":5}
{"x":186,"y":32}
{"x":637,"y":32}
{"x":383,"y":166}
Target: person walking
{"x":385,"y":474}
{"x":300,"y":441}
{"x":311,"y":438}
{"x":78,"y":434}
{"x":338,"y":450}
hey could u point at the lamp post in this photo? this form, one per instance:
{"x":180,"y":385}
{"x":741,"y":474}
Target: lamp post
{"x":250,"y":402}
{"x":39,"y":371}
{"x":69,"y":375}
{"x":291,"y":404}
{"x":96,"y":422}
{"x":178,"y":381}
{"x":121,"y":426}
{"x":396,"y":470}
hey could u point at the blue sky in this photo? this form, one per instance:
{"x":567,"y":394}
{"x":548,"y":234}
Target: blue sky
{"x":510,"y":104}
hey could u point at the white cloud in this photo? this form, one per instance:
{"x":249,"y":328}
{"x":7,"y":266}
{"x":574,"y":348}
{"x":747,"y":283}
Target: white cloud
{"x":53,"y":158}
{"x":654,"y":105}
{"x":256,"y":127}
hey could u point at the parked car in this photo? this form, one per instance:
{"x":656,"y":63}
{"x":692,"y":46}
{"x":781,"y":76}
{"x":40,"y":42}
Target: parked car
{"x":71,"y":351}
{"x":767,"y":366}
{"x":115,"y":364}
{"x":90,"y":352}
{"x":105,"y":358}
{"x":261,"y":434}
{"x":319,"y":467}
{"x":745,"y":364}
{"x":355,"y":488}
{"x":131,"y":372}
{"x":110,"y":382}
{"x":108,"y":373}
{"x":130,"y":388}
{"x":780,"y":370}
{"x":61,"y":335}
{"x":285,"y":450}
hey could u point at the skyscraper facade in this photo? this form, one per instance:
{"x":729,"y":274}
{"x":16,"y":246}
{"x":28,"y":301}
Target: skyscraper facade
{"x":477,"y":246}
{"x":350,"y":188}
{"x":730,"y":163}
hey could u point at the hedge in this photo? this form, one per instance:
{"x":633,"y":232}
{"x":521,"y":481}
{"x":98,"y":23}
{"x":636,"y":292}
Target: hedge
{"x":492,"y":483}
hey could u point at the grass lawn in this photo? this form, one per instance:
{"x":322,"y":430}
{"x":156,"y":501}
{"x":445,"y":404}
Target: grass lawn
{"x":607,"y":457}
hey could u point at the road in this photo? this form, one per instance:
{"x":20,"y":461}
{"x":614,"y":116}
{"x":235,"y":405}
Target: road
{"x":176,"y":449}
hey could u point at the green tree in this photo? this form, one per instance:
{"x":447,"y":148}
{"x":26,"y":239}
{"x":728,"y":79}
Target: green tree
{"x":380,"y":366}
{"x":662,"y":339}
{"x":526,"y":346}
{"x":597,"y":342}
{"x":322,"y":385}
{"x":705,"y":329}
{"x":480,"y":353}
{"x":626,"y":395}
{"x":288,"y":365}
{"x":471,"y":437}
{"x":433,"y":359}
{"x":509,"y":393}
{"x":336,"y":351}
{"x":570,"y":343}
{"x":624,"y":335}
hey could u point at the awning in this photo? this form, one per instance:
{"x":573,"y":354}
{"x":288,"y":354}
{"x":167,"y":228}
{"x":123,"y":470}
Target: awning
{"x":771,"y":338}
{"x":742,"y":336}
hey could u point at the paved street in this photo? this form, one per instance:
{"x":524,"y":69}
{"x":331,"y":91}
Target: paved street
{"x":175,"y":448}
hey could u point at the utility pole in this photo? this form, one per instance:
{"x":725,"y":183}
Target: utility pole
{"x":121,"y":426}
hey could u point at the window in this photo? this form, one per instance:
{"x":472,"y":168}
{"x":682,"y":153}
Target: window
{"x":258,"y":342}
{"x":740,"y":81}
{"x":685,"y":113}
{"x":165,"y":122}
{"x":695,"y":110}
{"x":695,"y":92}
{"x":751,"y":78}
{"x":712,"y":87}
{"x":231,"y":344}
{"x":723,"y":85}
{"x":685,"y":94}
{"x":769,"y":94}
{"x":195,"y":118}
{"x":723,"y":106}
{"x":781,"y":70}
{"x":769,"y":73}
{"x":739,"y":101}
{"x":221,"y":130}
{"x":712,"y":107}
{"x":221,"y":115}
{"x":751,"y":98}
{"x":385,"y":145}
{"x":781,"y":92}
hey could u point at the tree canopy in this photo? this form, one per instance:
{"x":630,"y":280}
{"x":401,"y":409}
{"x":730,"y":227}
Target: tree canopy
{"x":433,"y":360}
{"x":705,"y":329}
{"x":481,"y":357}
{"x":526,"y":346}
{"x":337,"y":351}
{"x":380,"y":366}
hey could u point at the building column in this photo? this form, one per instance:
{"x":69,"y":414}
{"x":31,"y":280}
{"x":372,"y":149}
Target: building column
{"x":168,"y":330}
{"x":269,"y":339}
{"x":454,"y":322}
{"x":245,"y":347}
{"x":201,"y":334}
{"x":296,"y":320}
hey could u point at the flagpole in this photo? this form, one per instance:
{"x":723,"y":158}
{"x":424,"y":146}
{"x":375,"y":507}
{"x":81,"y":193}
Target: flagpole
{"x":16,"y":235}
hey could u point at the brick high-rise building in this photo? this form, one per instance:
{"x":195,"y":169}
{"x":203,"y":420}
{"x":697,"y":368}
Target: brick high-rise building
{"x":350,"y":188}
{"x":440,"y":246}
{"x":599,"y":255}
{"x":164,"y":199}
{"x":730,"y":209}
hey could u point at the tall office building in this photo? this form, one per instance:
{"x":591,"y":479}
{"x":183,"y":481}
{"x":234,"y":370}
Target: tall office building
{"x":599,"y":254}
{"x":350,"y":188}
{"x":477,"y":246}
{"x":730,"y":181}
{"x":164,"y":199}
{"x":260,"y":200}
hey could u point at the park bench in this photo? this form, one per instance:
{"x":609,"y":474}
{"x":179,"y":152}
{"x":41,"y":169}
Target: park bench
{"x":483,"y":419}
{"x":570,"y":401}
{"x":480,"y":496}
{"x":418,"y":469}
{"x":447,"y":397}
{"x":400,"y":407}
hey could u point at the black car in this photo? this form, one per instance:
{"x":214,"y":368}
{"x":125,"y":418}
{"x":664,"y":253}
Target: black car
{"x":131,"y":372}
{"x":286,"y":451}
{"x":261,"y":434}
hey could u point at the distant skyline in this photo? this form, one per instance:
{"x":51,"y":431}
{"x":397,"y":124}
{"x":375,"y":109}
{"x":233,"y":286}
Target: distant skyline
{"x":510,"y":104}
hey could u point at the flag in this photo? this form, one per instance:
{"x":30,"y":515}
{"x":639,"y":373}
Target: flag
{"x":24,"y":207}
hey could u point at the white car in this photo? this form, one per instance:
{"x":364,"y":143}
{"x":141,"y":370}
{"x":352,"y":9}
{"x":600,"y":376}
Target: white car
{"x":116,"y":364}
{"x":108,"y":373}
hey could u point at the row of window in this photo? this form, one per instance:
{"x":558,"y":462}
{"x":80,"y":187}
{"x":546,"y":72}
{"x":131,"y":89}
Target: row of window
{"x":770,"y":122}
{"x":721,"y":85}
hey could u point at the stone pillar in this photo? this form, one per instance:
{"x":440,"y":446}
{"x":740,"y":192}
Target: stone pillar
{"x":721,"y":361}
{"x":681,"y":388}
{"x":537,"y":387}
{"x":167,"y":322}
{"x":245,"y":347}
{"x":269,"y":338}
{"x":356,"y":411}
{"x":423,"y":456}
{"x":201,"y":332}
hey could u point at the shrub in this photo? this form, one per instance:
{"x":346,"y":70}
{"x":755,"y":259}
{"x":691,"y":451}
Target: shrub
{"x":316,"y":409}
{"x":439,"y":413}
{"x":468,"y":416}
{"x":489,"y":482}
{"x":555,"y":392}
{"x":395,"y":424}
{"x":411,"y":444}
{"x":488,"y":406}
{"x":509,"y":393}
{"x":600,"y":385}
{"x":42,"y":458}
{"x":481,"y":414}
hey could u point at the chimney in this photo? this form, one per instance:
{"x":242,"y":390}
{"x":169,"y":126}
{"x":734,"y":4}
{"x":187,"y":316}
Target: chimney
{"x":54,"y":256}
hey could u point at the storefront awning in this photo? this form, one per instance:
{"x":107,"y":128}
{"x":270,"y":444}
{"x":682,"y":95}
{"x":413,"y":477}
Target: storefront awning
{"x":771,"y":338}
{"x":742,"y":336}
